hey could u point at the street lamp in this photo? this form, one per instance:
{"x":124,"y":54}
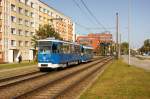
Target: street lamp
{"x":129,"y":4}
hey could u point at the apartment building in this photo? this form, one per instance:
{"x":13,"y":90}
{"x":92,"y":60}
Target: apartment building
{"x":58,"y":20}
{"x":19,"y":20}
{"x":1,"y":27}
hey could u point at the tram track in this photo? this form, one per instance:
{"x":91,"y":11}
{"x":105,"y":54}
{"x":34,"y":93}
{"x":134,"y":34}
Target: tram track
{"x":8,"y":81}
{"x":29,"y":85}
{"x":56,"y":88}
{"x":28,"y":73}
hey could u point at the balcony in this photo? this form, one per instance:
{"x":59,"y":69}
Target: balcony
{"x":0,"y":35}
{"x":0,"y":22}
{"x":0,"y":47}
{"x":0,"y":9}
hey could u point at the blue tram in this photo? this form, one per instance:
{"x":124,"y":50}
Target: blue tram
{"x":54,"y":53}
{"x":87,"y":53}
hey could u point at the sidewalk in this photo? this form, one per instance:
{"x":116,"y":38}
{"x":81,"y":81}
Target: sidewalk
{"x":145,"y":64}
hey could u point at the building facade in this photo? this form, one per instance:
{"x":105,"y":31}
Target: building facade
{"x":1,"y":32}
{"x":95,"y":40}
{"x":19,"y":20}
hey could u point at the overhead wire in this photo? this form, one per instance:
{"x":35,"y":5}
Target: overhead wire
{"x":82,"y":11}
{"x":94,"y":17}
{"x":77,"y":4}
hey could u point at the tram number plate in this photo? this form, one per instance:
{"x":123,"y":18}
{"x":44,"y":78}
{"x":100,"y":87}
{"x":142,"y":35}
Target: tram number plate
{"x":44,"y":64}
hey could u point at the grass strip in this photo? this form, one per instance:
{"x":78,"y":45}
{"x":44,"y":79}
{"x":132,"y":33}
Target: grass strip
{"x":15,"y":65}
{"x":120,"y":81}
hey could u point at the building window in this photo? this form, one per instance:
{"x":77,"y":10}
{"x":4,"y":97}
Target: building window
{"x":0,"y":41}
{"x":13,"y":7}
{"x":26,"y":12}
{"x":32,"y":14}
{"x":21,"y":1}
{"x":26,"y":2}
{"x":40,"y":9}
{"x":45,"y":10}
{"x":26,"y":43}
{"x":0,"y":2}
{"x":0,"y":15}
{"x":20,"y":10}
{"x":26,"y":22}
{"x":32,"y":33}
{"x":32,"y":5}
{"x":49,"y":21}
{"x":51,"y":13}
{"x":13,"y":43}
{"x":20,"y":32}
{"x":40,"y":17}
{"x":26,"y":33}
{"x":13,"y":31}
{"x":20,"y":21}
{"x":44,"y":18}
{"x":56,"y":16}
{"x":13,"y":19}
{"x":0,"y":29}
{"x":48,"y":12}
{"x":20,"y":43}
{"x":32,"y":24}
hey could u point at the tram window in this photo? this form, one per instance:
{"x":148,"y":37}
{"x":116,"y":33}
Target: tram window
{"x":60,"y":48}
{"x":77,"y":49}
{"x":82,"y":49}
{"x":45,"y":50}
{"x":65,"y":48}
{"x":72,"y":50}
{"x":54,"y":48}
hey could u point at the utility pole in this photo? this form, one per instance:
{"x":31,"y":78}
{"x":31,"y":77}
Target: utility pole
{"x":74,"y":34}
{"x":129,"y":31}
{"x":120,"y":45}
{"x":117,"y":29}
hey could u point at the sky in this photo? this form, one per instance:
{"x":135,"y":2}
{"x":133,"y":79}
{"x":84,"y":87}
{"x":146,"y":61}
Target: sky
{"x":105,"y":13}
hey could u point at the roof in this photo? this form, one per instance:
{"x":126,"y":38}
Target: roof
{"x":50,"y":39}
{"x":55,"y":9}
{"x":88,"y":47}
{"x":58,"y":41}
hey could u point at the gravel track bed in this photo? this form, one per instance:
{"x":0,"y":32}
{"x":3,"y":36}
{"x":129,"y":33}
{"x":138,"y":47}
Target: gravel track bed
{"x":20,"y":88}
{"x":76,"y":91}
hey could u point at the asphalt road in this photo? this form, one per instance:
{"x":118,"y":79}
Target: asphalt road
{"x":145,"y":64}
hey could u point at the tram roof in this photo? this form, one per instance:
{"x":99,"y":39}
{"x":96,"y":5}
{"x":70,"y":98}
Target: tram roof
{"x":87,"y":47}
{"x":56,"y":40}
{"x":52,"y":40}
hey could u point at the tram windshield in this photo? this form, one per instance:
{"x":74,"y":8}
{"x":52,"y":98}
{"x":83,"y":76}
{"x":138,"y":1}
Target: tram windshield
{"x":87,"y":51}
{"x":45,"y":47}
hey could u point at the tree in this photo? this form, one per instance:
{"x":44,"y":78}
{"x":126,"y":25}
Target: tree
{"x":147,"y":43}
{"x":43,"y":32}
{"x":124,"y":48}
{"x":46,"y":31}
{"x":146,"y":47}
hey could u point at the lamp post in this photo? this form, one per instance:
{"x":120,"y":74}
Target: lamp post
{"x":129,"y":4}
{"x":117,"y":30}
